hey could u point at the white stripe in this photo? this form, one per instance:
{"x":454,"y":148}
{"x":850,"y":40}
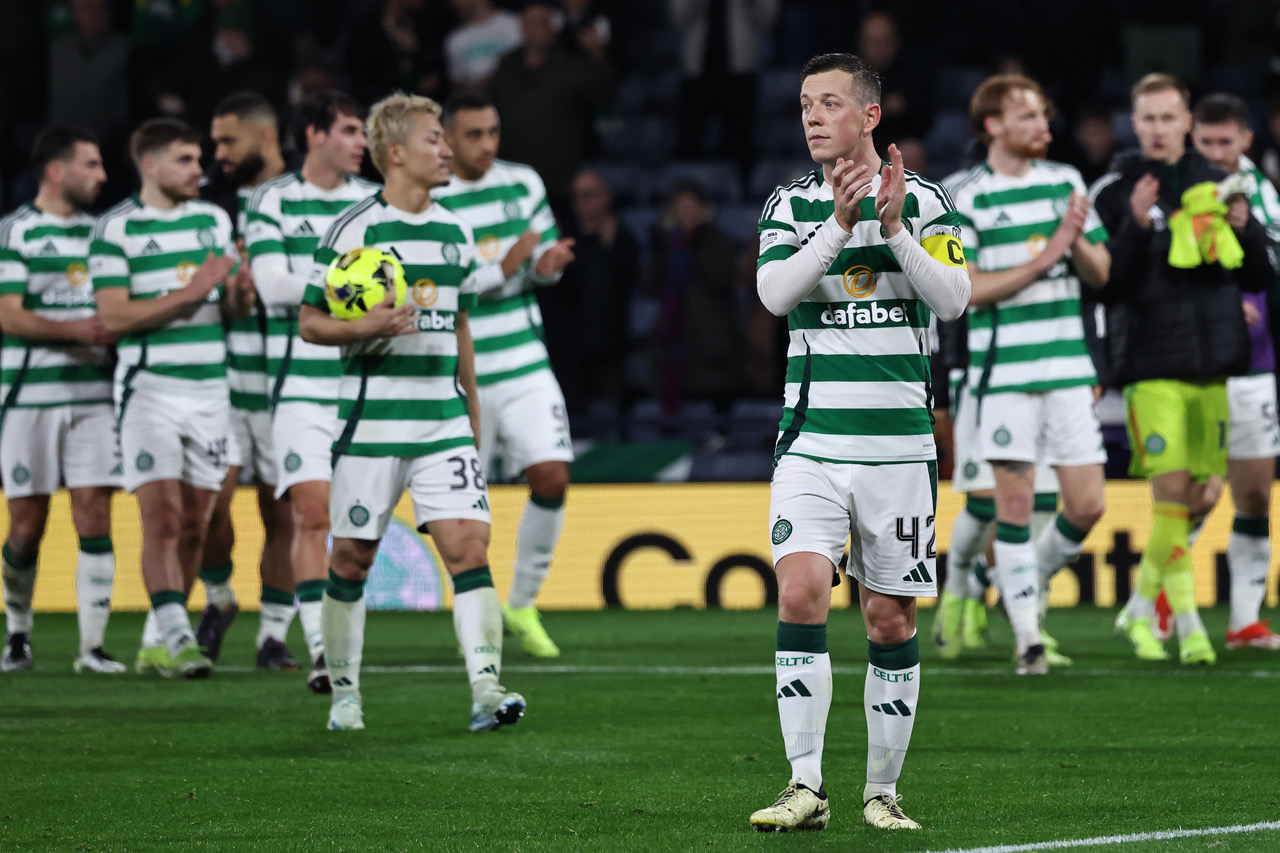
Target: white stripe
{"x":1109,"y":840}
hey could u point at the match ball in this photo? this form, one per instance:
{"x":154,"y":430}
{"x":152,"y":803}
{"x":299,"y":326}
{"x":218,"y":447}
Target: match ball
{"x":358,"y":280}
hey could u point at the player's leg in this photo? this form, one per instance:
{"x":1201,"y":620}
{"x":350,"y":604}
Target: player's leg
{"x":27,"y":518}
{"x":809,"y":513}
{"x":450,"y":502}
{"x":892,"y":554}
{"x":309,"y":505}
{"x":160,"y":505}
{"x":1253,"y":444}
{"x":216,"y":565}
{"x":533,"y":430}
{"x":30,"y":457}
{"x":95,"y":576}
{"x":277,"y":603}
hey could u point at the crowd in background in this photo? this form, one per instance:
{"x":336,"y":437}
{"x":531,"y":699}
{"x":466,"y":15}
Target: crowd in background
{"x":659,"y":128}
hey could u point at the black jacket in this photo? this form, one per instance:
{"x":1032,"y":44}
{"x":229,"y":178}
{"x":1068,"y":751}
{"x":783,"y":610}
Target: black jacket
{"x":1164,"y":322}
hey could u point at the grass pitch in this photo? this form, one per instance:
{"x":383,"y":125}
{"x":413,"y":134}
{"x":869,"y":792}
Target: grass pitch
{"x":653,"y":731}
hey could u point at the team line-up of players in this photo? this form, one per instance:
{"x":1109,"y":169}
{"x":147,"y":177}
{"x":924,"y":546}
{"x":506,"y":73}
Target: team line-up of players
{"x":230,"y":356}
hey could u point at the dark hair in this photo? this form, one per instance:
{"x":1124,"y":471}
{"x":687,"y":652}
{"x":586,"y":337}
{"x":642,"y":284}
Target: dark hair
{"x":156,"y":133}
{"x":245,"y":105}
{"x":1220,"y":108}
{"x":57,"y":142}
{"x":320,"y":111}
{"x":865,"y":83}
{"x":464,"y":101}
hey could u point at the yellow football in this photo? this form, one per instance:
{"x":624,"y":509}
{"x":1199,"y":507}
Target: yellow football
{"x":358,"y":280}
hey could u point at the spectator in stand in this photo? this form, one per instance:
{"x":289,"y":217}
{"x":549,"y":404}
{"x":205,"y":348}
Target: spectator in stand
{"x":191,"y":89}
{"x":699,"y":340}
{"x":587,"y":315}
{"x":473,"y":49}
{"x":548,"y":102}
{"x":584,"y":29}
{"x":1091,"y":145}
{"x":720,"y":58}
{"x":1269,"y":158}
{"x":89,"y":84}
{"x":907,"y":79}
{"x":394,"y":46}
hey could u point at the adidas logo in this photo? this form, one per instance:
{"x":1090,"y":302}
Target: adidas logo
{"x":918,"y":575}
{"x":489,"y":670}
{"x":1003,"y":219}
{"x":102,"y":603}
{"x":48,"y":249}
{"x":483,"y":504}
{"x":304,"y":230}
{"x":1025,"y":592}
{"x":152,"y":248}
{"x":342,"y":682}
{"x":896,"y":708}
{"x":799,"y":690}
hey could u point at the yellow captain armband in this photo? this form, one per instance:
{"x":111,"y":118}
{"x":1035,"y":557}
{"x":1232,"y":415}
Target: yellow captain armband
{"x":942,"y":242}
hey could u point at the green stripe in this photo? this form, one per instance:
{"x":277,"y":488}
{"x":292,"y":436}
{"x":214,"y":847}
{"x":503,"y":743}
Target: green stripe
{"x":1013,"y":533}
{"x":423,"y":448}
{"x":216,"y":574}
{"x":52,"y":263}
{"x":983,"y":509}
{"x":1044,"y":502}
{"x":879,"y":259}
{"x":311,"y":590}
{"x":1069,"y":530}
{"x":276,"y":596}
{"x":865,"y":421}
{"x":265,"y":247}
{"x":247,"y":402}
{"x":519,"y":302}
{"x":102,"y":282}
{"x":776,"y":253}
{"x":808,"y":315}
{"x":314,"y":206}
{"x":1015,"y":233}
{"x":484,"y":196}
{"x":503,"y":342}
{"x":102,"y":247}
{"x":95,"y":544}
{"x":341,"y":589}
{"x":301,"y":245}
{"x":163,"y":226}
{"x":400,"y":366}
{"x":390,"y":232}
{"x":774,"y":225}
{"x":860,"y":368}
{"x":199,"y":372}
{"x":444,"y":275}
{"x":169,"y":260}
{"x":1032,"y":352}
{"x":1042,"y":385}
{"x":1058,"y":308}
{"x":70,"y":231}
{"x":898,"y":656}
{"x":515,"y":373}
{"x":59,"y":373}
{"x":203,"y":334}
{"x":510,"y":228}
{"x":797,"y":637}
{"x":472,"y":579}
{"x":1021,"y":195}
{"x":406,"y":410}
{"x":161,"y":597}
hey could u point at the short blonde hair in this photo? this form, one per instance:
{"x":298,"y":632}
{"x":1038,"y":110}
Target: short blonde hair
{"x":1157,"y":82}
{"x":391,"y":121}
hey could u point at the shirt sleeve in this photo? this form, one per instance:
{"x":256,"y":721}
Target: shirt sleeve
{"x":341,"y":237}
{"x":108,"y":264}
{"x":1094,"y":231}
{"x":542,"y":221}
{"x":468,"y":290}
{"x":13,"y":266}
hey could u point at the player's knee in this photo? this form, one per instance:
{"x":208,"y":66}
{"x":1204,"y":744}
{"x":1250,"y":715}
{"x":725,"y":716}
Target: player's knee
{"x":800,"y":600}
{"x":1253,"y":501}
{"x":310,"y":517}
{"x":162,"y":524}
{"x":24,"y":540}
{"x":350,"y":561}
{"x":887,"y":625}
{"x":192,"y":530}
{"x":1087,"y":513}
{"x":549,"y":481}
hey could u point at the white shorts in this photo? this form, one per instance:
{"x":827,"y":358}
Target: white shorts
{"x":1057,"y":427}
{"x":42,"y":450}
{"x":524,"y":421}
{"x":1254,"y":432}
{"x":304,"y":434}
{"x":972,"y":473}
{"x":885,"y":512}
{"x":183,"y":439}
{"x":251,"y":444}
{"x":366,"y":489}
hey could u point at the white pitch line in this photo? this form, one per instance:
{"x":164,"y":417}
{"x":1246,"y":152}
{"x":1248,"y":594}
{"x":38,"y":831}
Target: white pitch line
{"x":1103,"y":841}
{"x":569,"y":669}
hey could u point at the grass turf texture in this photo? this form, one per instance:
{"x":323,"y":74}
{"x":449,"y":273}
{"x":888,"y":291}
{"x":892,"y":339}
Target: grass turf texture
{"x":627,"y":759}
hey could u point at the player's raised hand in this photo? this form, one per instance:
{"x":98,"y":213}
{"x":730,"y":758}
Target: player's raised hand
{"x":893,"y":193}
{"x":556,"y":258}
{"x":1144,"y":195}
{"x":385,"y":320}
{"x":850,"y":184}
{"x":520,"y":252}
{"x":210,"y":274}
{"x":1238,"y":213}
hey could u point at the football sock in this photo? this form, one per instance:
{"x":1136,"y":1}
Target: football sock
{"x":477,"y":622}
{"x":1056,"y":545}
{"x":803,"y":669}
{"x":890,"y":696}
{"x":95,"y":575}
{"x":151,"y":631}
{"x":1167,"y":520}
{"x":19,"y":584}
{"x":217,"y":586}
{"x":275,"y":615}
{"x":968,"y":536}
{"x":979,"y":578}
{"x":342,"y":617}
{"x":1249,"y":560}
{"x":172,"y":621}
{"x":310,"y":602}
{"x":1170,"y":553}
{"x":536,"y":539}
{"x":1018,"y":581}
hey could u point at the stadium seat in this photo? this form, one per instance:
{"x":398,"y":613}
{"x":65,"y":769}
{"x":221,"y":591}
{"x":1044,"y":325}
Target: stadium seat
{"x":645,"y":140}
{"x":780,"y":136}
{"x":698,"y":424}
{"x":645,"y":421}
{"x":956,"y":84}
{"x":640,"y":221}
{"x":780,"y":93}
{"x":947,"y":136}
{"x":1122,"y":126}
{"x":773,"y":172}
{"x":719,"y":180}
{"x":739,"y":221}
{"x":628,"y":183}
{"x":753,"y":424}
